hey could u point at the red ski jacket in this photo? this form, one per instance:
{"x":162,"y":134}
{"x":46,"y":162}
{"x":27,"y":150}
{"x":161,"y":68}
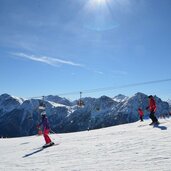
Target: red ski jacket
{"x":140,"y":111}
{"x":152,"y":105}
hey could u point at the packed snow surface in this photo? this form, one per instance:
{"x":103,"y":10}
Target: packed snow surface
{"x":134,"y":147}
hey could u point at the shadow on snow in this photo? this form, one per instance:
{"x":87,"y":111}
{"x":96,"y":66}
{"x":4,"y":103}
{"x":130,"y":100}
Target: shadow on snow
{"x":160,"y":127}
{"x":34,"y":152}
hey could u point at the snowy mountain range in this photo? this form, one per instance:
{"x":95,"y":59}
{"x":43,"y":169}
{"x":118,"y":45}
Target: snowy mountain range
{"x":19,"y":117}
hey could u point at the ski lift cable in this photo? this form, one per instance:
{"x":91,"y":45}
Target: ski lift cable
{"x":110,"y":88}
{"x":117,"y":87}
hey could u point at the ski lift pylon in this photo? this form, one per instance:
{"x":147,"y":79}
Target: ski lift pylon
{"x":80,"y":102}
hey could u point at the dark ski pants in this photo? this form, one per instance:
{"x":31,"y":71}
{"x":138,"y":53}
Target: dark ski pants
{"x":141,"y":118}
{"x":153,"y":117}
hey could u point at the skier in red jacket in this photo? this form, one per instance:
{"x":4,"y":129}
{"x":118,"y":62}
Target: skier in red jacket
{"x":152,"y":108}
{"x":141,"y":113}
{"x":46,"y":129}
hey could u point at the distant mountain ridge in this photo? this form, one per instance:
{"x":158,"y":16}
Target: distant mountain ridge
{"x":120,"y":98}
{"x":19,"y":117}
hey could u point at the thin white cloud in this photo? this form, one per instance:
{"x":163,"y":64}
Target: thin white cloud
{"x":99,"y":72}
{"x":94,"y":71}
{"x":119,"y":72}
{"x":47,"y":60}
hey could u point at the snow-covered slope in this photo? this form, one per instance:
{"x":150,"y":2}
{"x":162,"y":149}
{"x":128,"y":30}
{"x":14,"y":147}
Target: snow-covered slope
{"x":57,"y":99}
{"x":130,"y":147}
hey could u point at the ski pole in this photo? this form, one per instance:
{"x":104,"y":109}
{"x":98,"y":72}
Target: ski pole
{"x":53,"y":131}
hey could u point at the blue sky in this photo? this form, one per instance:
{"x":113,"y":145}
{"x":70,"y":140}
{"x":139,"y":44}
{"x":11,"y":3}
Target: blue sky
{"x":61,"y":46}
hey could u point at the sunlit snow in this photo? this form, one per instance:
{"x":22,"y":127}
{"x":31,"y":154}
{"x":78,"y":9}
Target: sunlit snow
{"x":136,"y":147}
